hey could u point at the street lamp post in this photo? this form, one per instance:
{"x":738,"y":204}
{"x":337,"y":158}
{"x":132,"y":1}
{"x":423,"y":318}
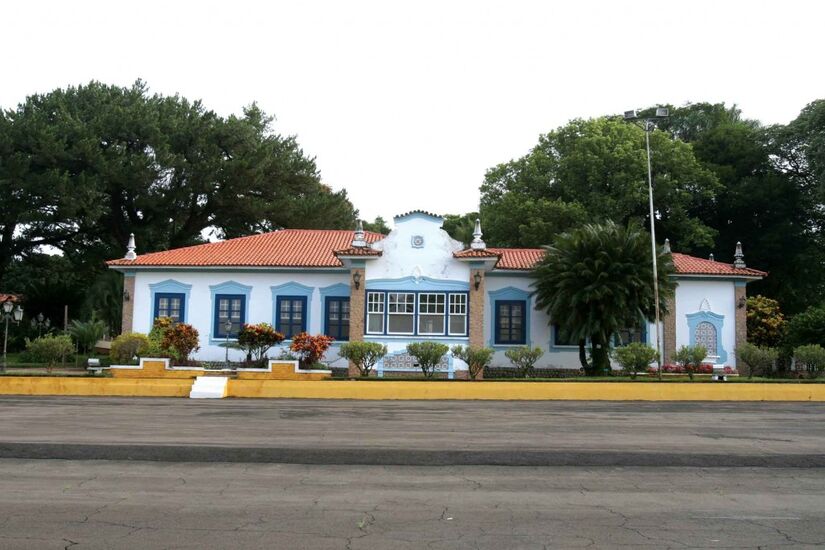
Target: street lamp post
{"x":227,"y":326}
{"x":9,"y":312}
{"x":648,"y":124}
{"x":40,"y":322}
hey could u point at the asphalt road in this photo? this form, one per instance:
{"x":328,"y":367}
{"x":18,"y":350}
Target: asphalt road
{"x":47,"y":504}
{"x":293,"y":474}
{"x":415,"y":433}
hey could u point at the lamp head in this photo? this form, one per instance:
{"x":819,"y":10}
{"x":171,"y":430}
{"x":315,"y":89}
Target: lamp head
{"x":630,"y":115}
{"x":662,"y":112}
{"x":227,"y":325}
{"x":7,"y":306}
{"x":18,"y":314}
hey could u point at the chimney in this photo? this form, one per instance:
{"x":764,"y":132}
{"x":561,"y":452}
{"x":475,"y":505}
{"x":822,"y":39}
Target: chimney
{"x":477,"y":243}
{"x":130,"y":248}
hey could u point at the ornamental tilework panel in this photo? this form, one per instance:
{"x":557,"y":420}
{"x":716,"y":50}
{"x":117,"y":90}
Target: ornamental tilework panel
{"x":405,"y":361}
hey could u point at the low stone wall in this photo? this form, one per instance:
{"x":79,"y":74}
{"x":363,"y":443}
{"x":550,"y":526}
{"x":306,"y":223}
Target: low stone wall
{"x":161,"y":368}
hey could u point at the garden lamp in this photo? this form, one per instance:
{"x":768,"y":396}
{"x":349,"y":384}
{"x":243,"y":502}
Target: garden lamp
{"x":9,"y":313}
{"x":227,"y":326}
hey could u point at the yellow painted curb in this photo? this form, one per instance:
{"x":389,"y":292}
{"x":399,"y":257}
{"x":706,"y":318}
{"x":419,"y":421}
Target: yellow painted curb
{"x":408,"y":390}
{"x":56,"y":385}
{"x":528,"y":391}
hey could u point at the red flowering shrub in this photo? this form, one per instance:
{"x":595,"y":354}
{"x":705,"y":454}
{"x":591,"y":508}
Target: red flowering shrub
{"x":256,"y":340}
{"x":310,"y":349}
{"x":181,"y":339}
{"x":705,"y":368}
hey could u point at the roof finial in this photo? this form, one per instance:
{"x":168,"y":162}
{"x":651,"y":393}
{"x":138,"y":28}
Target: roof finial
{"x":358,"y":240}
{"x":711,"y":258}
{"x":739,"y":257}
{"x":477,"y":243}
{"x":130,"y":248}
{"x":666,"y":248}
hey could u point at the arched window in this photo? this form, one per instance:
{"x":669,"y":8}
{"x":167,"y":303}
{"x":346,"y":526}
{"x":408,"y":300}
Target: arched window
{"x":706,"y":336}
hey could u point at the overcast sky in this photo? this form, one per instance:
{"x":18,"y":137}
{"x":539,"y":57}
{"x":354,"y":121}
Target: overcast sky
{"x":406,"y":104}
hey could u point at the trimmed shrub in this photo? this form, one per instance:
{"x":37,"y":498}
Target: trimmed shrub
{"x":129,"y":345}
{"x":690,"y":358}
{"x":256,"y":340}
{"x":429,"y":354}
{"x":635,"y":357}
{"x":758,"y":358}
{"x":310,"y":349}
{"x":524,"y":358}
{"x":476,"y":358}
{"x":810,"y":358}
{"x":364,"y":355}
{"x":50,"y":349}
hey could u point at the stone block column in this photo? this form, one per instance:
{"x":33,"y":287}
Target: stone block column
{"x":476,"y":305}
{"x":669,"y":332}
{"x":357,"y":305}
{"x":741,"y":322}
{"x":128,"y":309}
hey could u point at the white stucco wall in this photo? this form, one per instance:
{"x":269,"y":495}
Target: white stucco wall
{"x":720,"y":299}
{"x":434,"y":258}
{"x":259,"y":309}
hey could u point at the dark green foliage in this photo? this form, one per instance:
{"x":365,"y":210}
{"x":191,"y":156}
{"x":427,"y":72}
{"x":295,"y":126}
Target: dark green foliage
{"x":50,"y":349}
{"x":429,"y":354}
{"x":379,"y":225}
{"x":807,"y":327}
{"x":83,"y":167}
{"x":598,"y":279}
{"x":461,"y":227}
{"x":592,"y":171}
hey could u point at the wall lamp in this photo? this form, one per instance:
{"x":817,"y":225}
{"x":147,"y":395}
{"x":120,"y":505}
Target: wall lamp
{"x":477,"y":279}
{"x":356,"y":279}
{"x":742,"y":302}
{"x":126,"y":295}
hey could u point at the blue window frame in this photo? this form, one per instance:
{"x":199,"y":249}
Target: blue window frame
{"x":510,"y":324}
{"x":336,"y":318}
{"x":562,"y":339}
{"x":232,"y":307}
{"x":629,"y":335}
{"x":170,"y":304}
{"x":417,"y":313}
{"x":292,"y":315}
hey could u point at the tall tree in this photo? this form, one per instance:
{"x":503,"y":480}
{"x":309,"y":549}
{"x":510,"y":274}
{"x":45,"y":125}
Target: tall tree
{"x":597,"y":280}
{"x":83,"y":167}
{"x":596,"y":170}
{"x":758,"y":203}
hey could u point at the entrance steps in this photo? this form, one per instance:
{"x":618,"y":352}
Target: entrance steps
{"x":209,"y":387}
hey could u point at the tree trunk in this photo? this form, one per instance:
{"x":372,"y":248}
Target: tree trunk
{"x":601,"y":359}
{"x":588,"y":369}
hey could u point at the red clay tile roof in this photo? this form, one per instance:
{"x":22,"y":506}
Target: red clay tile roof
{"x":470,"y":253}
{"x":356,"y":251}
{"x":690,"y":265}
{"x":319,"y":247}
{"x":518,"y":258}
{"x":526,"y":258}
{"x":284,"y":248}
{"x":9,"y":297}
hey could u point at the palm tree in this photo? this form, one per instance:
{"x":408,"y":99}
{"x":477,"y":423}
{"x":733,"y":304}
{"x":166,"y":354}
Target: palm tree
{"x":595,"y":281}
